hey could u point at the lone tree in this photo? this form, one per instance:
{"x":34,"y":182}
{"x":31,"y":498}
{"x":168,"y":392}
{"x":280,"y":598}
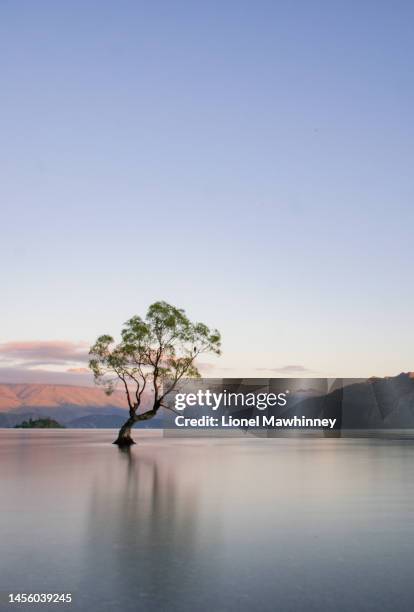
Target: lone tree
{"x":155,"y":353}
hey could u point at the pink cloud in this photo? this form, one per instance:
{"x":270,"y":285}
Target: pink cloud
{"x":42,"y":352}
{"x":27,"y":375}
{"x":287,"y":369}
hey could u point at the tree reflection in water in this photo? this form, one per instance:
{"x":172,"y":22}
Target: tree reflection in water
{"x":142,"y":535}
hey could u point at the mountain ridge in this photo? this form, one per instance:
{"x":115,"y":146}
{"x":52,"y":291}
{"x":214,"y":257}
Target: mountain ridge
{"x":14,"y":396}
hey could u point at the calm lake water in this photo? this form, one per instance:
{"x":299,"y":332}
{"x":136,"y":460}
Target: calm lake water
{"x":203,"y":524}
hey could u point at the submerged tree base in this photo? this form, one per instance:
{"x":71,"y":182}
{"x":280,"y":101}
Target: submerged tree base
{"x":124,"y":442}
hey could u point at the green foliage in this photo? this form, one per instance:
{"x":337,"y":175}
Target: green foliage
{"x":158,"y":350}
{"x":42,"y":423}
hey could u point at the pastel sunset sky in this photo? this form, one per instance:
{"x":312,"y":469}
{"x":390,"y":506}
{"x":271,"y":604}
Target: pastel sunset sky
{"x":250,"y":162}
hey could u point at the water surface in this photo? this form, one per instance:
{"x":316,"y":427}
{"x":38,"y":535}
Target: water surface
{"x":226,"y":524}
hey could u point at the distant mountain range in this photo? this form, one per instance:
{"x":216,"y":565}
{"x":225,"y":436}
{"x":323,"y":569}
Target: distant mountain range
{"x":356,"y":404}
{"x":18,"y":396}
{"x":64,"y":403}
{"x":372,"y":403}
{"x":72,"y":406}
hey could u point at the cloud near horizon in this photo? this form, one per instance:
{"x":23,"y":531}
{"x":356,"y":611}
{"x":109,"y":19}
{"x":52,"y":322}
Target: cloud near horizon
{"x":287,"y":369}
{"x":40,"y":376}
{"x":64,"y":362}
{"x":54,"y":361}
{"x":43,"y":352}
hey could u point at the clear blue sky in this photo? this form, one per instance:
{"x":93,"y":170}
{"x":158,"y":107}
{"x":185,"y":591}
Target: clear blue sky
{"x":248,"y":161}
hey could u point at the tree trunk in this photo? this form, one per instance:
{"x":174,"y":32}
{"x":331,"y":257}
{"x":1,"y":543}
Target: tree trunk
{"x":124,"y":436}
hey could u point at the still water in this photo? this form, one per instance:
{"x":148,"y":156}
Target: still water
{"x":203,"y":524}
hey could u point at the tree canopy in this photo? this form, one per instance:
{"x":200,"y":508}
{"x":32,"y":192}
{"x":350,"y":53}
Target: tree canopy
{"x":154,"y":353}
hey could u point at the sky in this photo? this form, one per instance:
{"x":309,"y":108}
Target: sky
{"x":250,"y":162}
